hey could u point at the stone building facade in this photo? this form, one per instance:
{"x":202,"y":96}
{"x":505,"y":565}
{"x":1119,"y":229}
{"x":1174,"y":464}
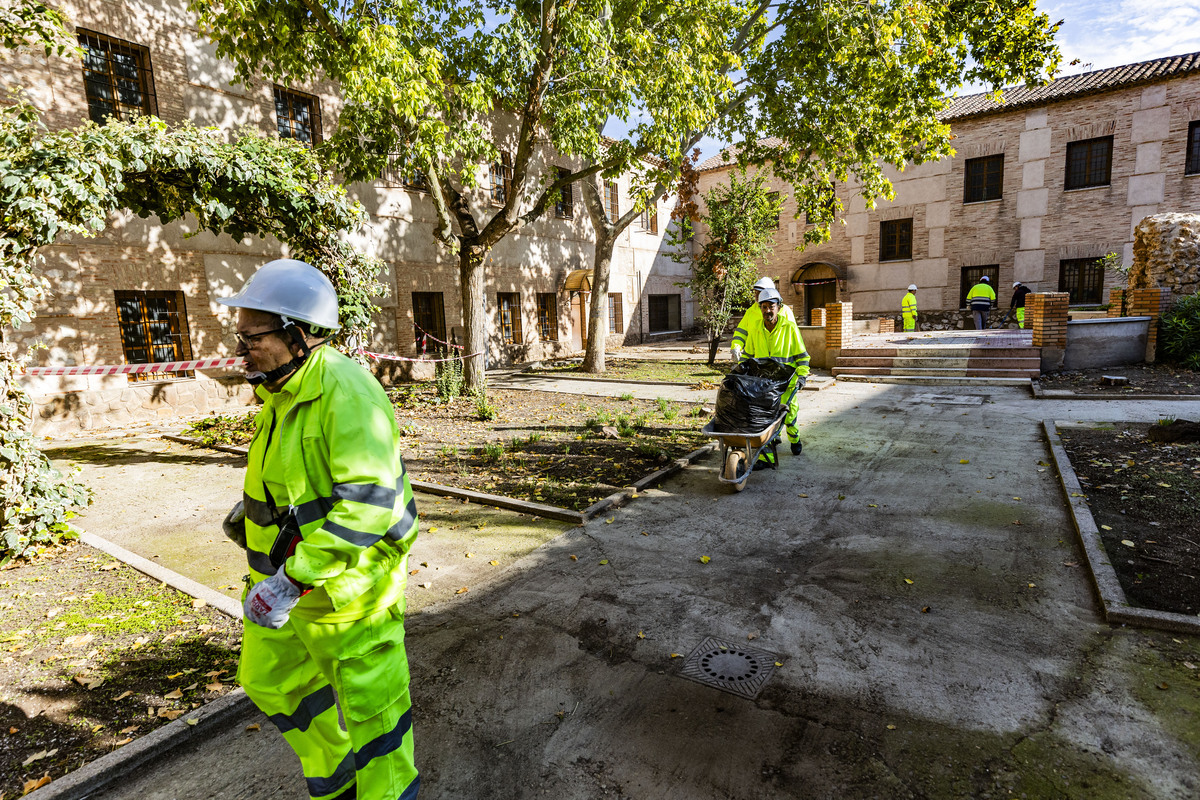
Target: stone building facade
{"x":146,"y":291}
{"x":1039,"y":189}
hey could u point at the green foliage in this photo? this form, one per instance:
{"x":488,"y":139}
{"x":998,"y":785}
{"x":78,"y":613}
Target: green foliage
{"x":235,"y":429}
{"x":625,"y":396}
{"x":1179,"y":332}
{"x":670,"y":413}
{"x":741,"y":220}
{"x":36,"y":26}
{"x":491,"y":453}
{"x":663,"y":404}
{"x":448,"y":377}
{"x":448,"y":451}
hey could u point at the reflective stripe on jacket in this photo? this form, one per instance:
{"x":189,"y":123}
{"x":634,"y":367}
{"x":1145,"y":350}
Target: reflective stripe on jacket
{"x":328,"y":449}
{"x":784,"y":342}
{"x":981,"y":297}
{"x":909,"y":304}
{"x":753,"y":316}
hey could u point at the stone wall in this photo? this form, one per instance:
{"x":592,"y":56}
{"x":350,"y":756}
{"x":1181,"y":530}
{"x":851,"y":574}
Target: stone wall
{"x":1166,"y":252}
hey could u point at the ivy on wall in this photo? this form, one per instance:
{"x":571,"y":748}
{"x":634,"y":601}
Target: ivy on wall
{"x":73,"y":181}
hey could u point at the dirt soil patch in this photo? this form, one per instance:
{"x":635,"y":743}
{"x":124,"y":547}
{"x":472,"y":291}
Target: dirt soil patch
{"x":690,"y":372}
{"x":1145,"y":498}
{"x":93,"y":655}
{"x":566,"y":451}
{"x":1144,"y":379}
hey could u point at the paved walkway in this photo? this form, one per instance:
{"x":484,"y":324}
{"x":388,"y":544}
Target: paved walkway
{"x":913,"y":571}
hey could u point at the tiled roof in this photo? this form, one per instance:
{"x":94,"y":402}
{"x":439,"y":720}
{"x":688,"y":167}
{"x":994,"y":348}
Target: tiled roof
{"x":1101,"y":80}
{"x":728,"y":155}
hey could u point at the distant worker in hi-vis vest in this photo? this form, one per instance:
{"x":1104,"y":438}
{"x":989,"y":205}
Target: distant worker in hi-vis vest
{"x":327,"y":519}
{"x":980,"y":299}
{"x":1018,"y":302}
{"x":908,"y":308}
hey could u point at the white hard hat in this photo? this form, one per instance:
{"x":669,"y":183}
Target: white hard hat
{"x":912,"y":287}
{"x":764,"y":283}
{"x":986,"y":279}
{"x":771,"y":295}
{"x":1016,"y":284}
{"x":292,"y":289}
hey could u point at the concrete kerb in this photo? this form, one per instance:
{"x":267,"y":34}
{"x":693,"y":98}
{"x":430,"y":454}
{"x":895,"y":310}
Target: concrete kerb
{"x":108,"y":769}
{"x":1066,"y":394}
{"x":1115,"y":605}
{"x":618,"y":499}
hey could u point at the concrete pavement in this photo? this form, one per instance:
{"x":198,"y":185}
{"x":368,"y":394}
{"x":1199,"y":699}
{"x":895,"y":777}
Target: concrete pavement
{"x":916,"y":573}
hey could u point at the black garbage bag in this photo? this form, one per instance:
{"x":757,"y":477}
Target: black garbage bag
{"x":750,"y":397}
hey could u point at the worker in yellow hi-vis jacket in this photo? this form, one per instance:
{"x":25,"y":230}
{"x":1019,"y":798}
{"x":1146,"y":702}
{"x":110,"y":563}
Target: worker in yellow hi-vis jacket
{"x":327,"y":520}
{"x":908,"y":308}
{"x":981,"y":298}
{"x":752,"y":317}
{"x":776,"y":336}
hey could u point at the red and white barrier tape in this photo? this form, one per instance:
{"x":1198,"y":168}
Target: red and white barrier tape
{"x":386,"y":357}
{"x":138,"y":369}
{"x":199,"y":363}
{"x":429,"y":335}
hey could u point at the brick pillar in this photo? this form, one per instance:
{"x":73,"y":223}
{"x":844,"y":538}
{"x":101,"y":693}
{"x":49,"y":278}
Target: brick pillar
{"x":1150,"y":302}
{"x":818,"y":317}
{"x":1116,"y":302}
{"x":1046,"y":318}
{"x":887,"y":325}
{"x":838,"y":325}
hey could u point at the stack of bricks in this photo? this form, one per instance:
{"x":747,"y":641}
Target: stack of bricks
{"x":887,"y":325}
{"x":818,"y":317}
{"x":839,"y":319}
{"x":1116,"y":302}
{"x":1046,"y":316}
{"x":1151,"y":302}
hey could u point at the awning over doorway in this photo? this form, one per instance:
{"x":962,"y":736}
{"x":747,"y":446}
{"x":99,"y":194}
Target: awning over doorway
{"x":819,"y":271}
{"x":579,"y":280}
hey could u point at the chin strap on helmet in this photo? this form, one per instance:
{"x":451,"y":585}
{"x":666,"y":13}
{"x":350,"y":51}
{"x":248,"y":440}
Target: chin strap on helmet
{"x":296,"y":363}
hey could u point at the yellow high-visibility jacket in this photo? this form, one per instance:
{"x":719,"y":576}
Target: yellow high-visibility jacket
{"x":752,"y":317}
{"x":784,"y":343}
{"x":909,"y":304}
{"x":981,"y":297}
{"x":326,"y":452}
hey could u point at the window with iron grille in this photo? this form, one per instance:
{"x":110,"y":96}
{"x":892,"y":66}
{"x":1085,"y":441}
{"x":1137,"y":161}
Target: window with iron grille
{"x":984,"y":179}
{"x":650,"y":217}
{"x":616,"y":315}
{"x":1089,"y":163}
{"x":895,"y":239}
{"x":547,"y":317}
{"x":565,"y":207}
{"x":501,"y":178}
{"x":664,"y":313}
{"x":1082,"y":279}
{"x":509,"y":305}
{"x":612,"y":205}
{"x":972,"y":276}
{"x":1193,"y":149}
{"x":153,"y":330}
{"x":117,"y":79}
{"x":398,"y":173}
{"x":429,"y":321}
{"x":297,"y":116}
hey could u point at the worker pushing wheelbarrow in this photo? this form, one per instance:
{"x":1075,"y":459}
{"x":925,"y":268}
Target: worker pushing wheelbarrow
{"x":759,"y":399}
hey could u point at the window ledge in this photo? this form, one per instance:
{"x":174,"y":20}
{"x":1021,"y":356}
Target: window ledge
{"x":1088,"y":188}
{"x":894,"y":260}
{"x":982,"y":202}
{"x":1191,"y":174}
{"x":663,"y":333}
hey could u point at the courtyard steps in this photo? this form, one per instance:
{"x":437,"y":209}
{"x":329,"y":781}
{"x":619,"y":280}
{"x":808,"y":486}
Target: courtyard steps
{"x":967,"y":363}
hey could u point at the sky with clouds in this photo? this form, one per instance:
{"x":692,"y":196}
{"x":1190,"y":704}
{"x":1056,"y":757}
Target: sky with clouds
{"x":1107,"y":33}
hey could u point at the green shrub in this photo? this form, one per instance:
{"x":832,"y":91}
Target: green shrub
{"x":448,"y":451}
{"x":491,"y":452}
{"x":662,"y":403}
{"x":221,"y":429}
{"x":448,"y":377}
{"x":1179,"y":333}
{"x":626,"y":396}
{"x":670,"y":413}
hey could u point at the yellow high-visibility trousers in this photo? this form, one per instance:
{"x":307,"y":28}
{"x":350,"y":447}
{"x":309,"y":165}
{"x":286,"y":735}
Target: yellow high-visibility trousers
{"x":292,"y":673}
{"x":910,"y":322}
{"x":1021,"y":317}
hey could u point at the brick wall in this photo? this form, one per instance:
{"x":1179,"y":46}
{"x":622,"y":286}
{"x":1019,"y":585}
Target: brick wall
{"x":839,"y":325}
{"x":1046,"y":318}
{"x":1116,"y":302}
{"x":1150,"y":302}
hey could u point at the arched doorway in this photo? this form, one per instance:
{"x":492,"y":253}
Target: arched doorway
{"x":817,"y":282}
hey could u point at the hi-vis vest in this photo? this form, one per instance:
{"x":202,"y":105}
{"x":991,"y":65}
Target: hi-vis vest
{"x":909,"y":304}
{"x":326,"y":458}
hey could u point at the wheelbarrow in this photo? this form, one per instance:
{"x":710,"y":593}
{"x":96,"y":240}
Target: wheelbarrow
{"x":740,"y":450}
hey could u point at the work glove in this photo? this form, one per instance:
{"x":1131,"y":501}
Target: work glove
{"x":269,"y":602}
{"x":736,"y":352}
{"x":235,"y":525}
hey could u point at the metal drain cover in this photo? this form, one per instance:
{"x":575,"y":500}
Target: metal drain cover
{"x":732,"y":668}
